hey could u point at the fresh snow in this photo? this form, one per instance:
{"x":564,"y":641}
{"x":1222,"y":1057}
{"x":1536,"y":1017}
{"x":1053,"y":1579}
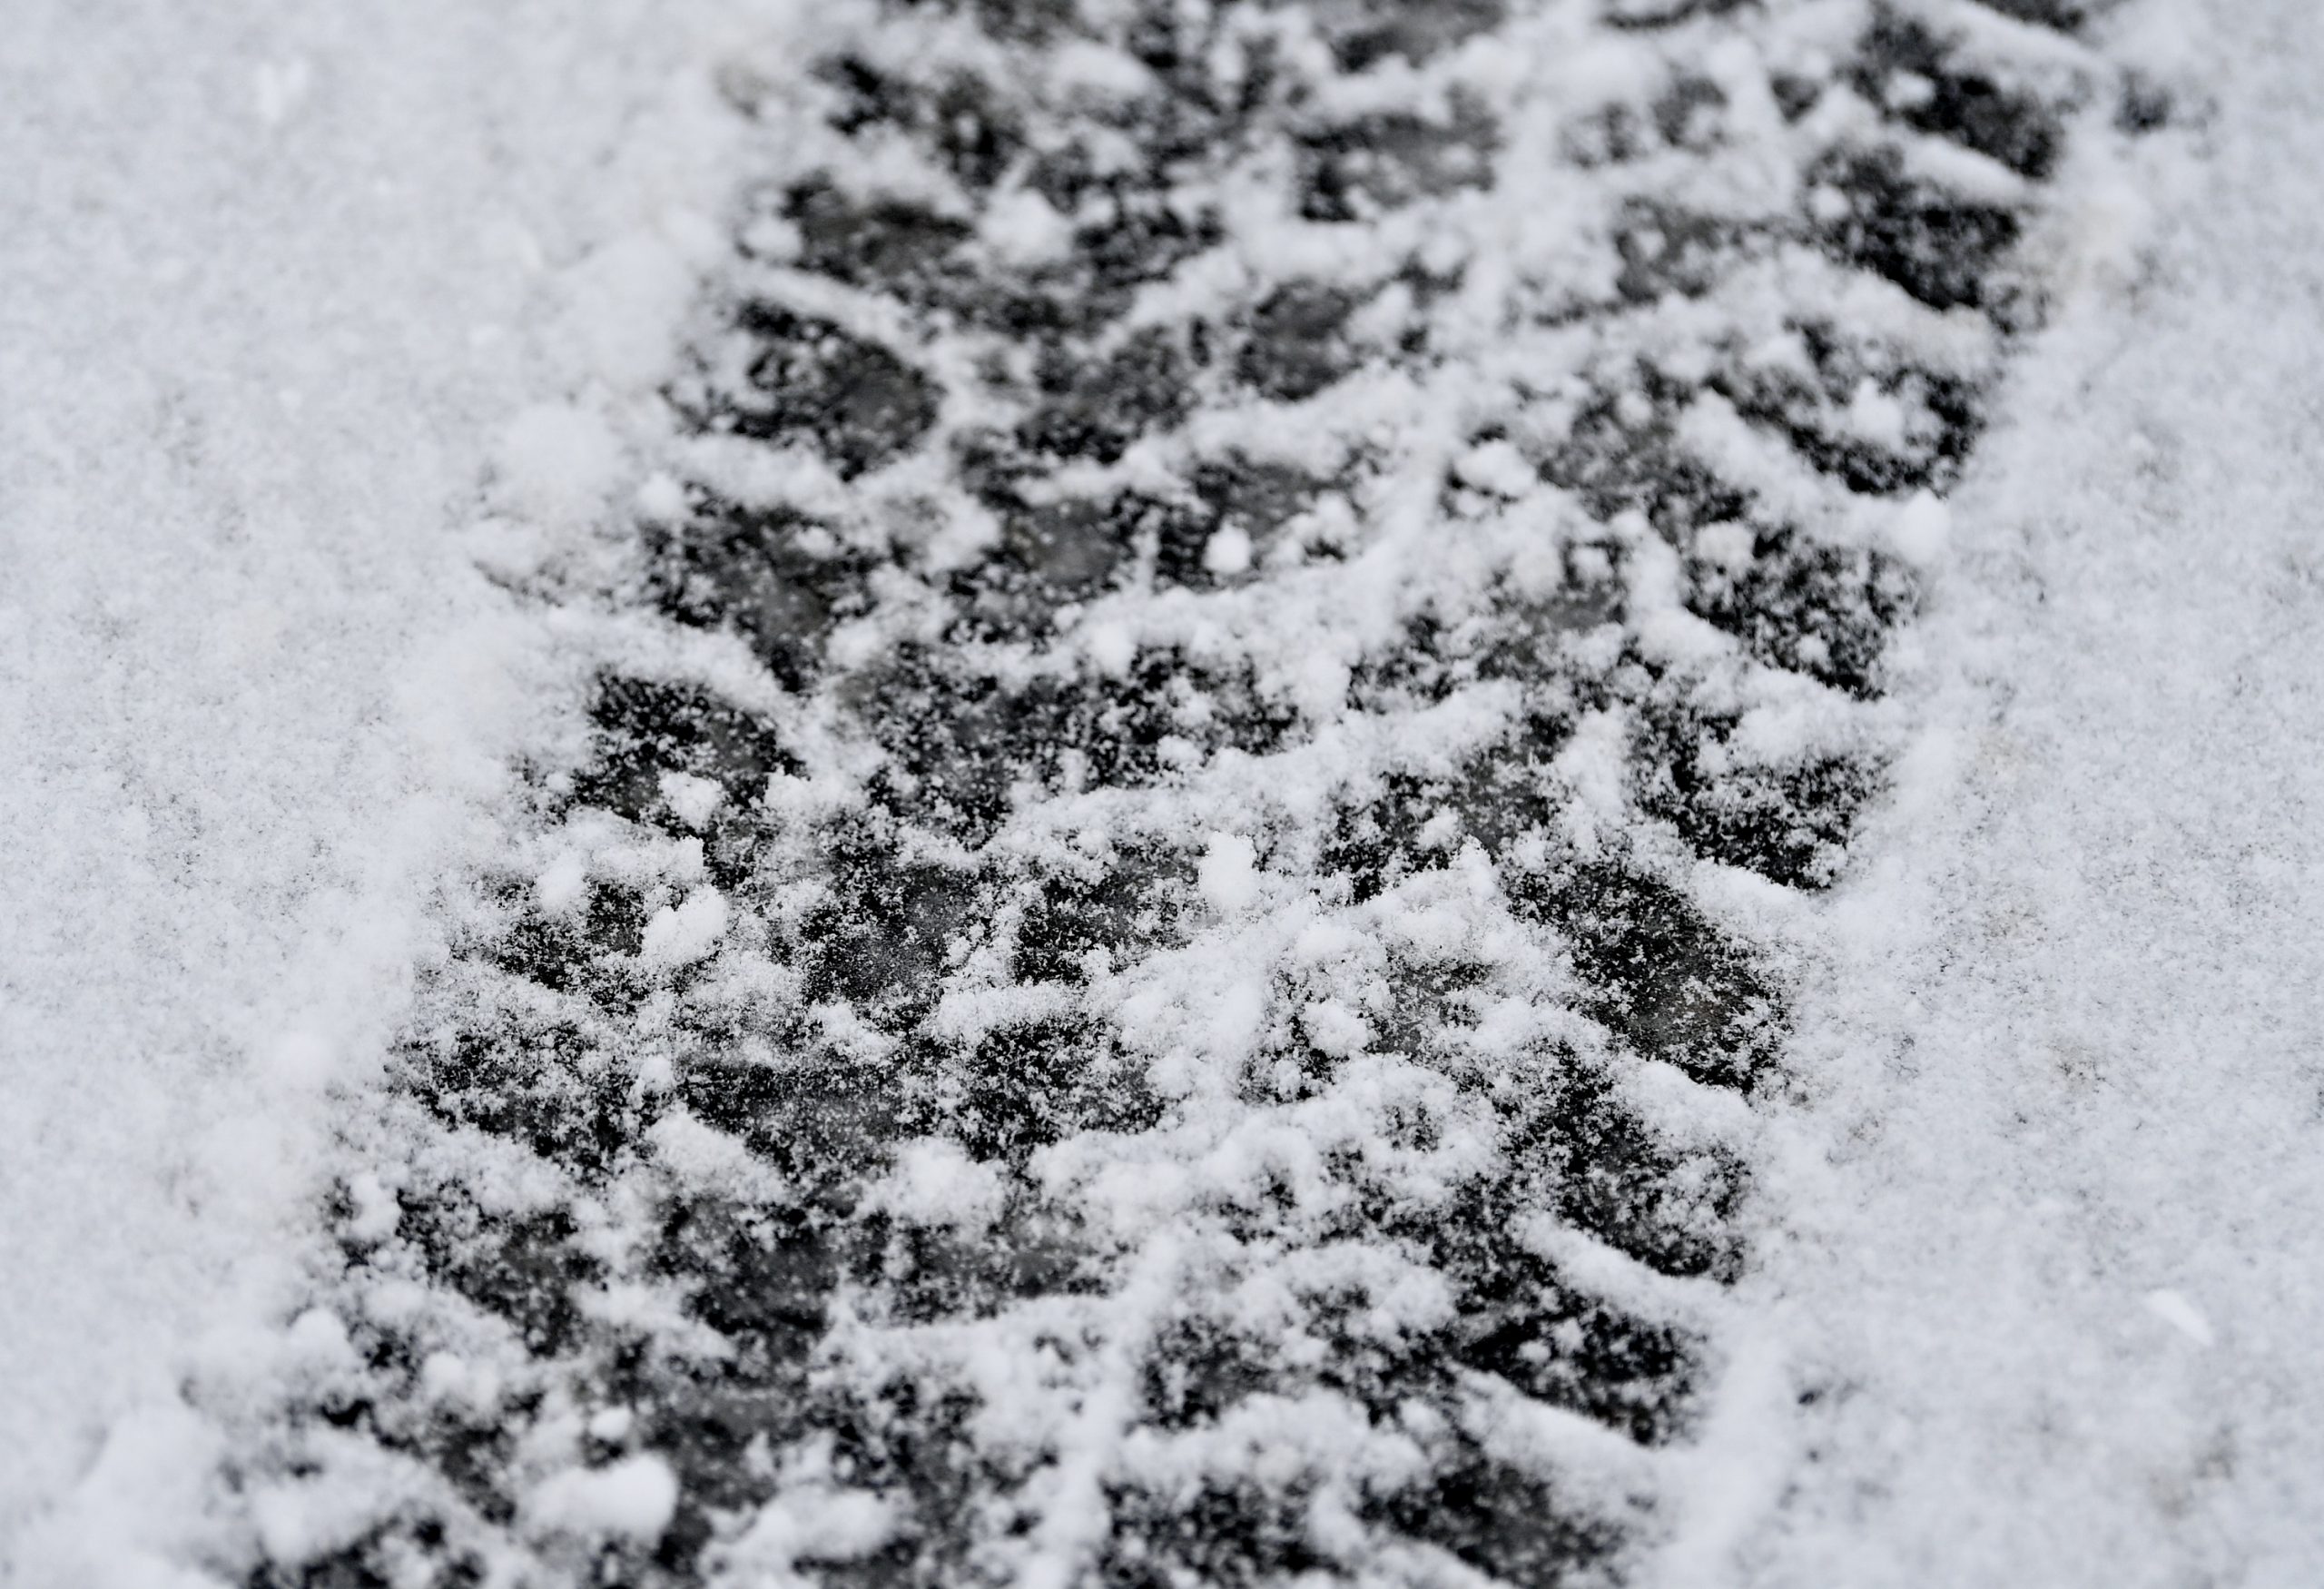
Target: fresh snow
{"x":273,"y":278}
{"x":305,"y":319}
{"x":633,"y":1497}
{"x":2054,"y":1224}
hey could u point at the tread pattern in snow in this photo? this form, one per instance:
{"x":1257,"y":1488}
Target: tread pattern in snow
{"x":1151,"y":971}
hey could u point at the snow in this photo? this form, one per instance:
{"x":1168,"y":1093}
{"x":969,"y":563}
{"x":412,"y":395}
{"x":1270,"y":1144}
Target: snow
{"x":1921,"y":531}
{"x":564,"y":885}
{"x":2053,"y":1248}
{"x":1228,"y":551}
{"x":558,"y":463}
{"x":936,"y":1184}
{"x":633,"y":1497}
{"x":2039,"y":1256}
{"x":816,"y":1522}
{"x":2180,"y":1314}
{"x":272,"y":278}
{"x":1228,"y":873}
{"x":696,"y":800}
{"x":683,"y":933}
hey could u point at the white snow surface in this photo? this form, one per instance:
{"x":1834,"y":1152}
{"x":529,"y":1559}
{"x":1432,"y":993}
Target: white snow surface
{"x":2054,"y":1243}
{"x":2046,"y":1224}
{"x":272,"y":278}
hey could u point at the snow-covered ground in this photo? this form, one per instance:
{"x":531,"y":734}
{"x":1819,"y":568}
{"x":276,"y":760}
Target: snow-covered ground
{"x":269,"y":288}
{"x":2041,"y":1226}
{"x":2060,"y":1209}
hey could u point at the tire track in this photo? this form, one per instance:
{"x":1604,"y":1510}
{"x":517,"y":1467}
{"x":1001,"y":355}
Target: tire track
{"x":1153,"y":970}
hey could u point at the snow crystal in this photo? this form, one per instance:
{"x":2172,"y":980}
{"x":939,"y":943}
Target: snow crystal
{"x":619,"y":303}
{"x":1228,"y":875}
{"x":816,"y":1524}
{"x":1921,"y":529}
{"x":695,"y":800}
{"x":682,"y":933}
{"x":1111,"y":646}
{"x":935,"y":1182}
{"x":633,"y":1498}
{"x":1024,"y":229}
{"x":2182,"y":1316}
{"x":661,"y":497}
{"x":1498,"y":468}
{"x":564,"y":885}
{"x":559,"y":462}
{"x":1228,"y":551}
